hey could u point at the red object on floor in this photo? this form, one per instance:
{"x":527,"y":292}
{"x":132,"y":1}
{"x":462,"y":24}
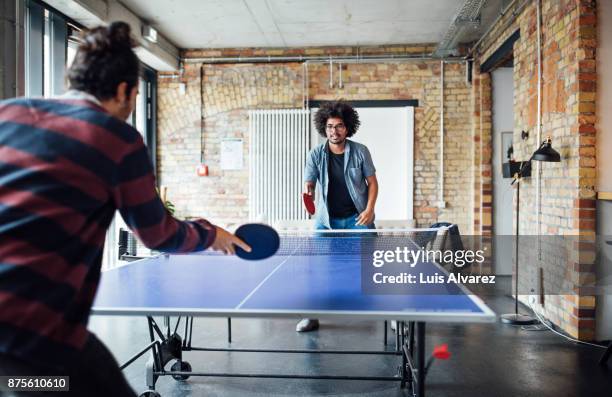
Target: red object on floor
{"x":441,"y":352}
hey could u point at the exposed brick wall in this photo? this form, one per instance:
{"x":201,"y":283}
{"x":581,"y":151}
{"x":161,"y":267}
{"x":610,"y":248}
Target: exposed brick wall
{"x":178,"y":132}
{"x":228,"y":91}
{"x":218,"y":97}
{"x":567,"y":189}
{"x":482,"y":194}
{"x":215,"y":107}
{"x":483,"y":149}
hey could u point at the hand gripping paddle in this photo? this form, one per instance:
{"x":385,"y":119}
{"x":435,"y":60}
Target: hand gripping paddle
{"x":308,"y":203}
{"x":263,"y":240}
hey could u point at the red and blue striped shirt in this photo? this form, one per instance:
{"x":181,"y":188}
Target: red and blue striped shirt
{"x":66,"y":166}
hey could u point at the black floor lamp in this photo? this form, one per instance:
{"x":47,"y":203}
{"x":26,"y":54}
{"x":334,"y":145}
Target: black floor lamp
{"x":544,"y":153}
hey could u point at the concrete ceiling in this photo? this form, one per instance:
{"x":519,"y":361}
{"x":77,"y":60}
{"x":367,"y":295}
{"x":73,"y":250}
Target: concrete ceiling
{"x":304,"y":23}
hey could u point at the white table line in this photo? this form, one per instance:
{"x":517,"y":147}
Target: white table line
{"x":265,"y":279}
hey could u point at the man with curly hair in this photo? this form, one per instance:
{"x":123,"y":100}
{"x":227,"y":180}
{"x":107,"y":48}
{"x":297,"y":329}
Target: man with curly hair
{"x":344,"y":174}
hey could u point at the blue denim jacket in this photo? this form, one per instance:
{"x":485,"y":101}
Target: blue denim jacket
{"x":358,"y":166}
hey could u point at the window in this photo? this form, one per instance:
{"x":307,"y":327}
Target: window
{"x":143,"y":117}
{"x":34,"y":49}
{"x":47,"y":55}
{"x":47,"y":50}
{"x":141,"y":107}
{"x":71,"y":52}
{"x":73,"y":44}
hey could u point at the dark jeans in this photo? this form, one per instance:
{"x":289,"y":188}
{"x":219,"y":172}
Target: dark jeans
{"x":95,"y":373}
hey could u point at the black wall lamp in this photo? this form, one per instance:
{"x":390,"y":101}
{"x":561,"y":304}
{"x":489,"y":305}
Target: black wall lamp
{"x":547,"y":154}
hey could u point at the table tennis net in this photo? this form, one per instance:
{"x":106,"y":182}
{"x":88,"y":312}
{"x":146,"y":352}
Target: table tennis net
{"x":355,"y":242}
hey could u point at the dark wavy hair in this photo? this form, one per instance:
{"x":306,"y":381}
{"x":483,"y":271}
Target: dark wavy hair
{"x":338,"y":109}
{"x":105,"y":58}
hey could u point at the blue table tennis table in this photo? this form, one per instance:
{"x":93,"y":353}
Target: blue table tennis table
{"x":314,"y":276}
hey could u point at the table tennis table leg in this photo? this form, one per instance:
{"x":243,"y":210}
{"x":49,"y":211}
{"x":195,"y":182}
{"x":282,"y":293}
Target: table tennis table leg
{"x":229,"y":330}
{"x":405,"y":372}
{"x":606,"y":356}
{"x":420,"y":346}
{"x":410,"y":347}
{"x":398,"y":345}
{"x":188,"y":333}
{"x":150,"y":377}
{"x":167,"y":325}
{"x":409,"y":367}
{"x":414,"y":366}
{"x":385,"y":334}
{"x":411,"y":336}
{"x":154,"y":364}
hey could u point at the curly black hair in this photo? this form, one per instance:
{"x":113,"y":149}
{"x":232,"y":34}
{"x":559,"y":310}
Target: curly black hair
{"x":104,"y":59}
{"x":338,"y":109}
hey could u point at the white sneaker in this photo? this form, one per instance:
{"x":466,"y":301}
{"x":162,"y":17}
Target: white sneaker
{"x":307,"y":324}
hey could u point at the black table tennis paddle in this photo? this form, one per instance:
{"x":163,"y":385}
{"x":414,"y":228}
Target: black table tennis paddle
{"x":263,"y":240}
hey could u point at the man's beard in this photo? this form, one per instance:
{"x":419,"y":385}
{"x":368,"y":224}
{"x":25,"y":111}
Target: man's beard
{"x":336,"y":140}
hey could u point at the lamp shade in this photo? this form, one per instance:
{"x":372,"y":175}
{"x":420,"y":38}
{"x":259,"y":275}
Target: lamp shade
{"x":546,"y":153}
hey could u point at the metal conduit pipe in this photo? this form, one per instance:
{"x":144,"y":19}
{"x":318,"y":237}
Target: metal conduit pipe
{"x":306,"y":86}
{"x":441,"y":203}
{"x":323,"y":59}
{"x":331,"y":73}
{"x":469,"y":15}
{"x":539,"y":121}
{"x":304,"y":93}
{"x":317,"y":59}
{"x":499,"y":17}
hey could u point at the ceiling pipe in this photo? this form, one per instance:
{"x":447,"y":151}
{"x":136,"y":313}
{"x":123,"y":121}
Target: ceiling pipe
{"x":441,"y":202}
{"x":306,"y":86}
{"x":323,"y":59}
{"x":539,"y":121}
{"x":517,"y":11}
{"x":331,"y":73}
{"x":468,"y":16}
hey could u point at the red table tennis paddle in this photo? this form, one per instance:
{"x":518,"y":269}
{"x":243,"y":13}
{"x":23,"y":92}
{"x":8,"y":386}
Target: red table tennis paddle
{"x":263,"y":240}
{"x":308,"y":203}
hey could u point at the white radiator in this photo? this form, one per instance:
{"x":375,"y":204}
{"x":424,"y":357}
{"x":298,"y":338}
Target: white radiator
{"x":279,"y":142}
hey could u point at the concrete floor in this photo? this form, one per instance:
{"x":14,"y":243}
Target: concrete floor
{"x":487,"y":359}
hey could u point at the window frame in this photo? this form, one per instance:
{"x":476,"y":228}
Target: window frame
{"x":149,"y":135}
{"x":34,"y":48}
{"x":150,"y":77}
